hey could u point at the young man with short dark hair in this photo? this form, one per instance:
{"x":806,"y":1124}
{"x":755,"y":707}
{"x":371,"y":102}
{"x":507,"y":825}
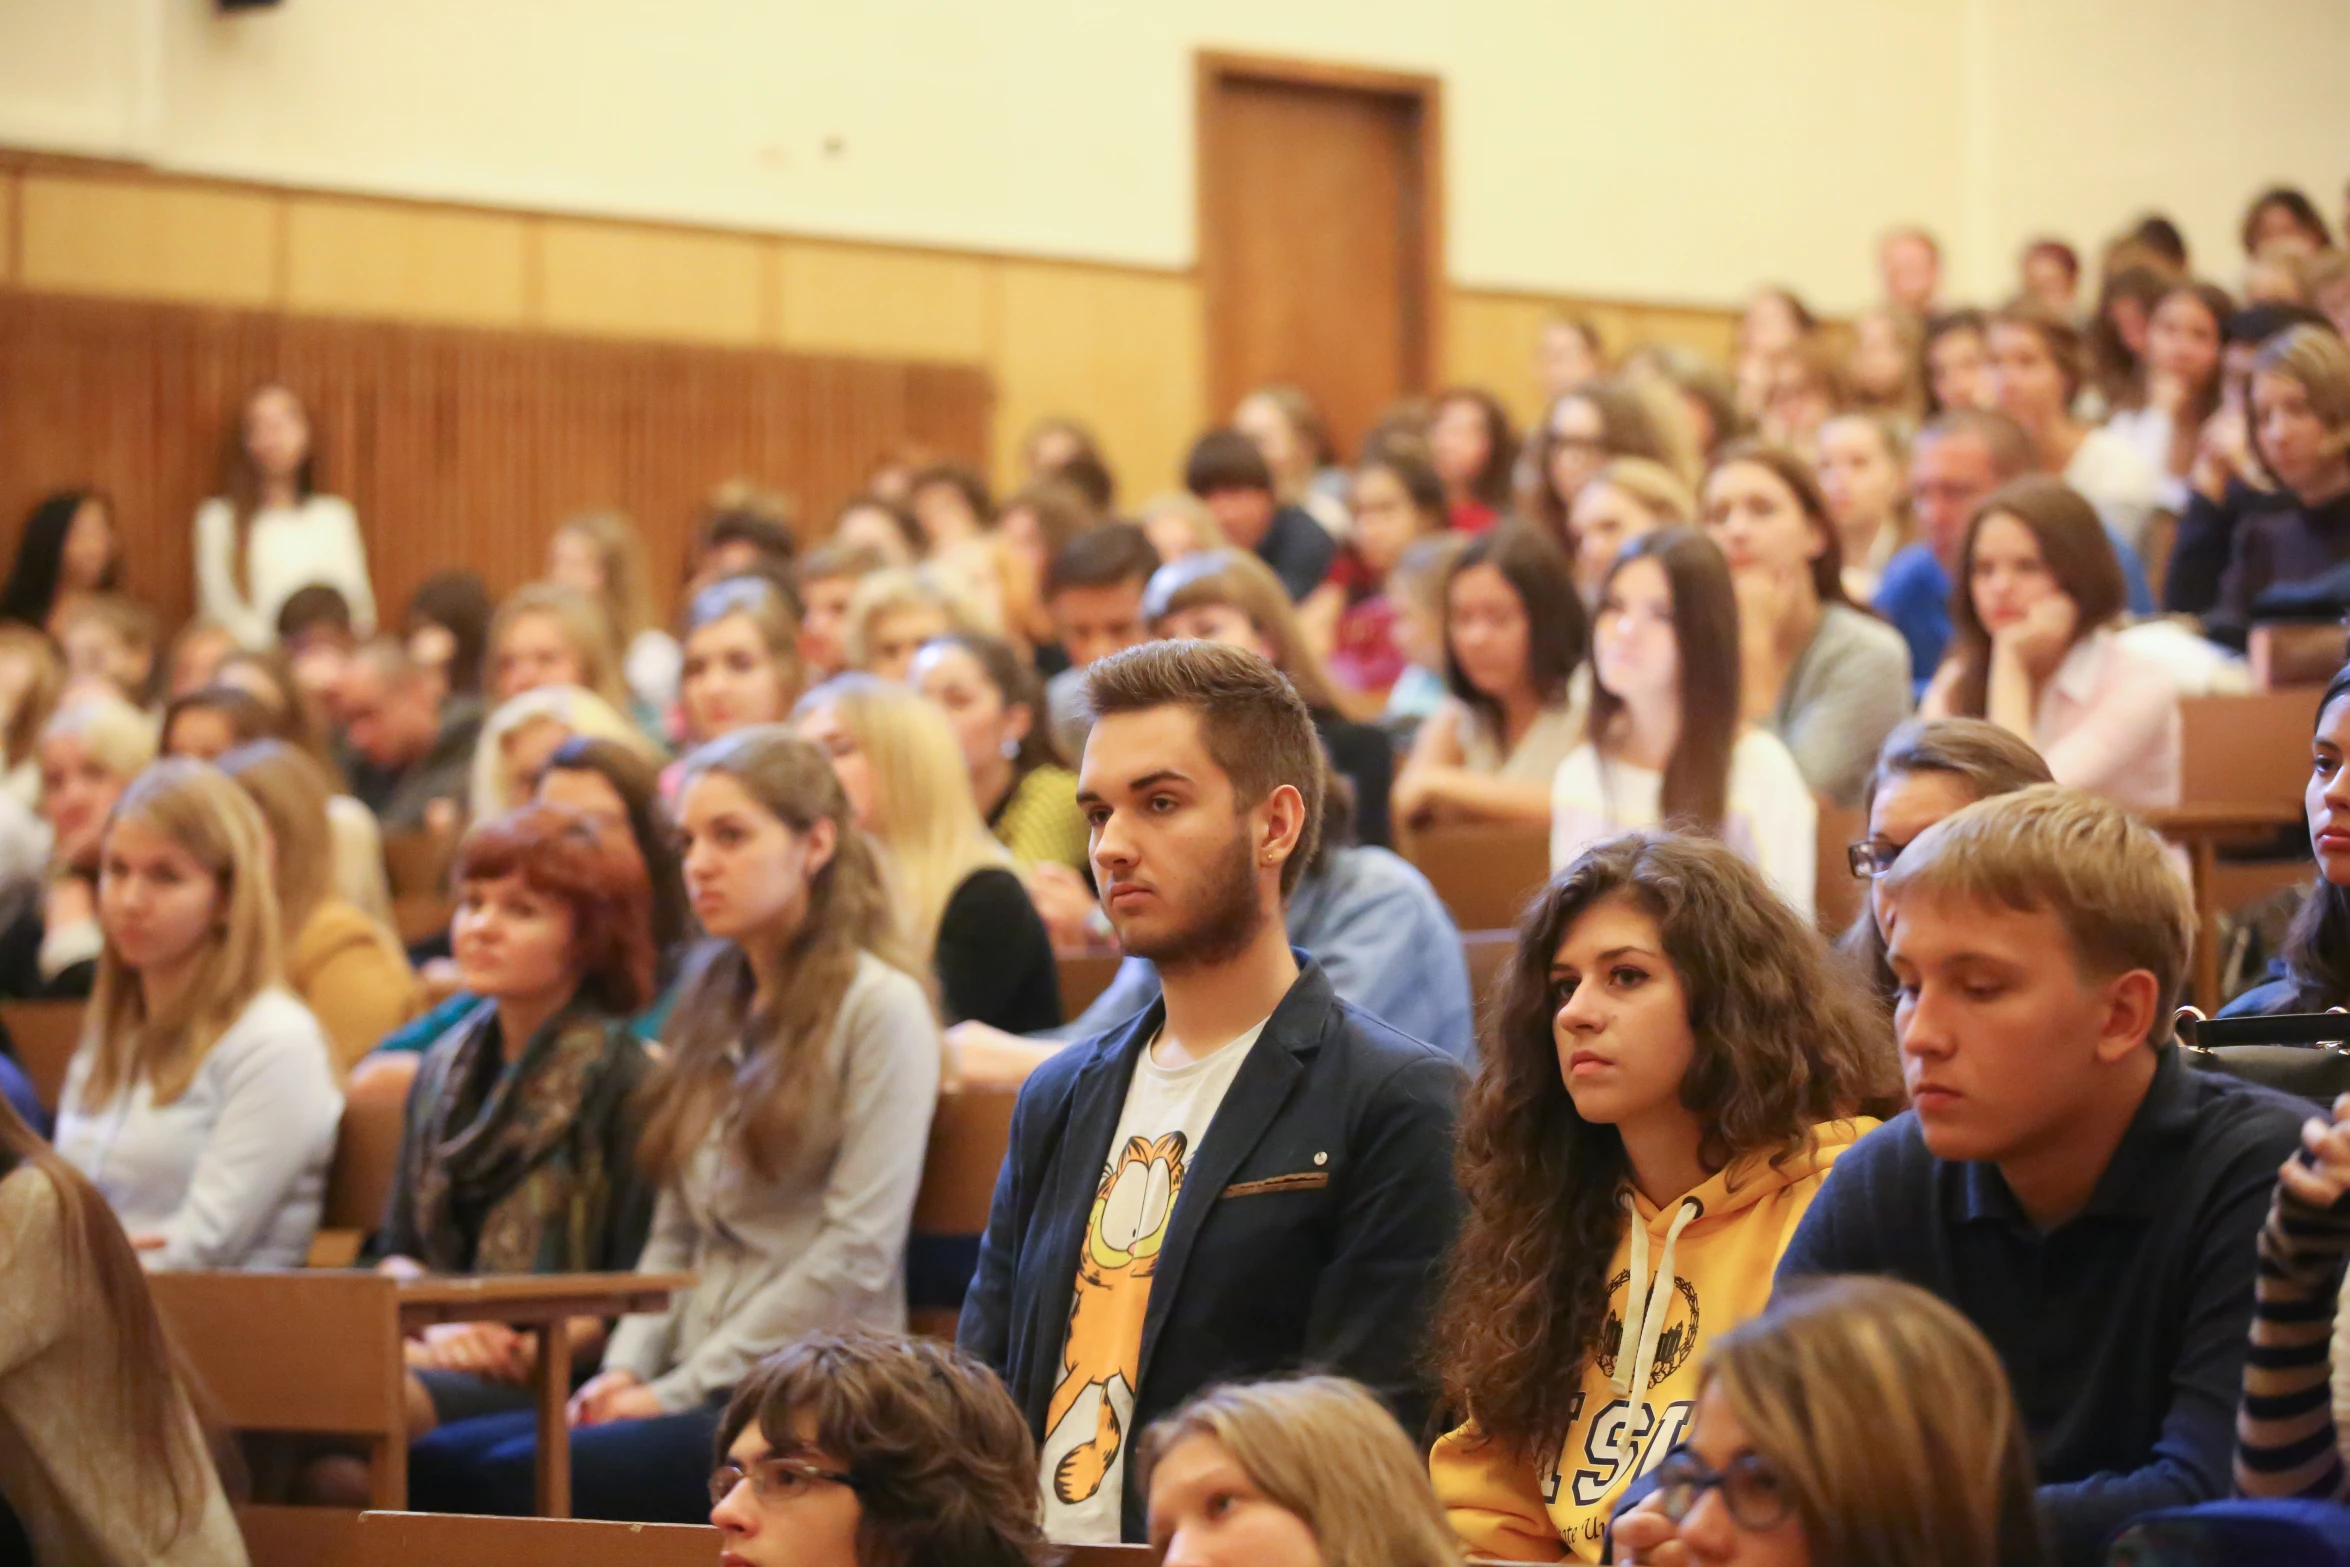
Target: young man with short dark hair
{"x":1227,"y":472}
{"x":1250,"y":1176}
{"x":2064,"y":1177}
{"x":1093,"y":590}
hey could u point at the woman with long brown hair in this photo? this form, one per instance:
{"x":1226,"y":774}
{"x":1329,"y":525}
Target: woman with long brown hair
{"x":1664,"y":743}
{"x":2032,"y":648}
{"x":1857,"y":1421}
{"x":1826,"y":677}
{"x":105,"y":1465}
{"x":787,"y":1129}
{"x":1671,"y":1069}
{"x":272,"y":531}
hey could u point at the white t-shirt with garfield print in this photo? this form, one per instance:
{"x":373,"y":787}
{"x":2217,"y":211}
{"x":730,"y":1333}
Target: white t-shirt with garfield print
{"x":1089,"y":1425}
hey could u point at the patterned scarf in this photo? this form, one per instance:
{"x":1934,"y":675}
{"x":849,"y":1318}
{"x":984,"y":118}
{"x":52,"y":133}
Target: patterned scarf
{"x":520,"y":1164}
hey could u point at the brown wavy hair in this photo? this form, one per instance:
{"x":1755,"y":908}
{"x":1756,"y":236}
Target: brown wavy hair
{"x":1784,"y":1041}
{"x":762,"y":1076}
{"x":941,"y":1459}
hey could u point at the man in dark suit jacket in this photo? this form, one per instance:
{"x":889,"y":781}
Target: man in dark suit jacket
{"x":1249,"y":1178}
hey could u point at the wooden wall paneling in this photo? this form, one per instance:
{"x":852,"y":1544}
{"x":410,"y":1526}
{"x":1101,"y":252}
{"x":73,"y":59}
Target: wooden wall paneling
{"x":11,"y":226}
{"x":459,"y":447}
{"x":1489,"y":342}
{"x":626,"y":280}
{"x":123,"y":237}
{"x":376,"y":258}
{"x":1122,"y":350}
{"x":854,"y":299}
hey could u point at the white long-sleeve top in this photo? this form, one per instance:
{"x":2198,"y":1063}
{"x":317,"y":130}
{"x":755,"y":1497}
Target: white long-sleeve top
{"x":1773,"y":821}
{"x":287,"y":548}
{"x":821,"y":1246}
{"x":232,"y":1174}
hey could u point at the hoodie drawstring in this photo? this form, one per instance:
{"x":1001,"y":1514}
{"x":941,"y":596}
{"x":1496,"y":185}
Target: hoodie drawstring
{"x":1645,"y":1301}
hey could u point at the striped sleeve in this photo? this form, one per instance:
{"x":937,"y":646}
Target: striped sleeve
{"x":2286,"y":1443}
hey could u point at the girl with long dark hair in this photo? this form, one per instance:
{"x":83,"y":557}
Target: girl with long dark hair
{"x":1664,"y":743}
{"x":1671,"y":1069}
{"x":70,"y":548}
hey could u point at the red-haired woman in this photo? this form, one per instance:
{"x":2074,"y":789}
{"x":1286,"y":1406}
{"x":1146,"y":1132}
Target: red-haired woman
{"x":519,"y":1152}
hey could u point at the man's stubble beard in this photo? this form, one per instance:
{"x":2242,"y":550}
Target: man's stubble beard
{"x":1228,"y":919}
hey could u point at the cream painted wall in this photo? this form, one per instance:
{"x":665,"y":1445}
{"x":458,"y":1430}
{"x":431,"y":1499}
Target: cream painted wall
{"x":2089,"y":112}
{"x":1672,"y":151}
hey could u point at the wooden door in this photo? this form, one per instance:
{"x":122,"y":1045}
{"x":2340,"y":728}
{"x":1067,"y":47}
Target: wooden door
{"x":1321,"y":234}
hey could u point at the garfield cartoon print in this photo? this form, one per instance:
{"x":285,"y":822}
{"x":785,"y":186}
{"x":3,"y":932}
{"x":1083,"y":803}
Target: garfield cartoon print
{"x":1087,"y":1422}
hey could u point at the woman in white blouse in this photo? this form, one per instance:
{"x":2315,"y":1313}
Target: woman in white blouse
{"x":273,"y":533}
{"x":202,"y":1102}
{"x":1665,"y":743}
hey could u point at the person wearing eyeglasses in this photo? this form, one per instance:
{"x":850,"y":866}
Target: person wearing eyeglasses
{"x":1857,"y":1422}
{"x":869,"y":1449}
{"x":1671,"y":1073}
{"x":1927,"y":769}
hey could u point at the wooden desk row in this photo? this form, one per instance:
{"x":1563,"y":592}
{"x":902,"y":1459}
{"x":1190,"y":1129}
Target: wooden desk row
{"x":334,"y":1365}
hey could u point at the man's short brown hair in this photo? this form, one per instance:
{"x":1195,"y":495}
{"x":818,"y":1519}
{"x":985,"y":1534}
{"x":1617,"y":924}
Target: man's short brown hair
{"x":1251,"y":719}
{"x":940,"y":1457}
{"x":2099,"y":870}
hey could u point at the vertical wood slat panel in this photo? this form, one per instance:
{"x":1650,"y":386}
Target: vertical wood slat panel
{"x":460,"y":447}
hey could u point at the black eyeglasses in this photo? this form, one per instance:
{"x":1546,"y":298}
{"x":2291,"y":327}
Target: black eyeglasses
{"x":1756,"y":1494}
{"x":1872,"y":857}
{"x":773,"y":1479}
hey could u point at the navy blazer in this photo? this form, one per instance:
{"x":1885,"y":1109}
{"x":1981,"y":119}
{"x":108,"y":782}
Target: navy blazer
{"x":1310,"y":1232}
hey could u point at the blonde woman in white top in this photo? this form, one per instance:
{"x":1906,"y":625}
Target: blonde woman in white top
{"x":273,"y":532}
{"x":1513,"y":645}
{"x":202,"y":1102}
{"x":1666,"y":745}
{"x":601,"y":555}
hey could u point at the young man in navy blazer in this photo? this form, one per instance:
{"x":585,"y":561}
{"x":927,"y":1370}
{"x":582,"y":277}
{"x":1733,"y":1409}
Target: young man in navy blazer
{"x":1248,"y":1178}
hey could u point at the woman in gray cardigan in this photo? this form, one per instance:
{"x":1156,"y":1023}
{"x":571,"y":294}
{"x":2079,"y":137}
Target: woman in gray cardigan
{"x":1827,"y":677}
{"x":787,"y":1129}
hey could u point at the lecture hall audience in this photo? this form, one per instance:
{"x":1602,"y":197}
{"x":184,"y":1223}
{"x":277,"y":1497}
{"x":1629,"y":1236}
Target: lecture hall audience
{"x":1666,"y":643}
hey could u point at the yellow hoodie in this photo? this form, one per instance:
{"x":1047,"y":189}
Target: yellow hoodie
{"x":1693,"y":1268}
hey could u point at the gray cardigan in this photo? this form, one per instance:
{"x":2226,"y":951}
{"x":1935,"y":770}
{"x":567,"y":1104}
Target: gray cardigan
{"x":823,"y":1246}
{"x":1847,"y":691}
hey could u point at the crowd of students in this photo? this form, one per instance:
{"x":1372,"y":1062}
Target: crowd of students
{"x":737,"y":890}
